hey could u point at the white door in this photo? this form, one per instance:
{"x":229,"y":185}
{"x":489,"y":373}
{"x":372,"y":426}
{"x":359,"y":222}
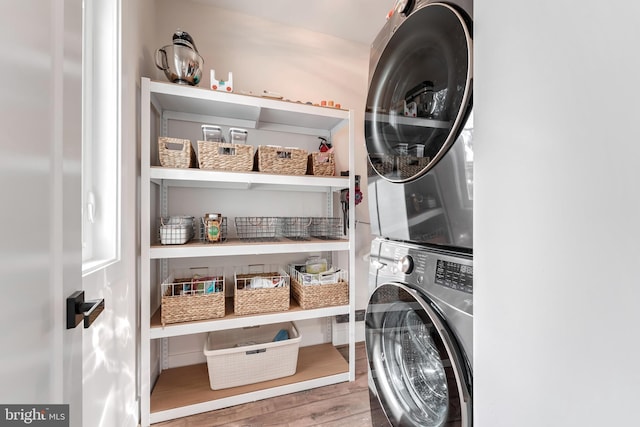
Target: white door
{"x":40,"y":249}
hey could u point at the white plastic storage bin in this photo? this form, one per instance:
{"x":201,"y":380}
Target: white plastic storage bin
{"x":243,"y":356}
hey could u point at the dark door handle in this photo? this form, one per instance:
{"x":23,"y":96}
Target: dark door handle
{"x":78,"y":310}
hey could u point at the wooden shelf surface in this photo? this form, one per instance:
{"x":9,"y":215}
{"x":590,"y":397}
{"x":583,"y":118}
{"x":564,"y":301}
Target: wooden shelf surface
{"x":231,"y":319}
{"x":189,"y":385}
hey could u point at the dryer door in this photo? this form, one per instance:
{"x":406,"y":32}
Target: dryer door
{"x":419,"y":372}
{"x":420,"y":93}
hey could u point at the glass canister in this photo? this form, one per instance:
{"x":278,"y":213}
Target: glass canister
{"x":212,"y":224}
{"x":212,"y":133}
{"x":238,"y":136}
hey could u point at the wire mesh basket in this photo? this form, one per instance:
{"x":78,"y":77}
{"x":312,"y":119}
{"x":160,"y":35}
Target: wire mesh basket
{"x":176,"y":230}
{"x":213,"y":231}
{"x":326,"y":228}
{"x":257,"y":228}
{"x":296,"y":227}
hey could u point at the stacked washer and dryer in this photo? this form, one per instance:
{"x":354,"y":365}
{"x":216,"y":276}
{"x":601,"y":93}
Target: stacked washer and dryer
{"x":418,"y":131}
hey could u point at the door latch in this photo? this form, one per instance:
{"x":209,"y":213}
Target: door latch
{"x":78,"y":310}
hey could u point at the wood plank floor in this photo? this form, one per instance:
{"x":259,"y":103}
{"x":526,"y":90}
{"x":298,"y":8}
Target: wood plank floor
{"x":344,"y":404}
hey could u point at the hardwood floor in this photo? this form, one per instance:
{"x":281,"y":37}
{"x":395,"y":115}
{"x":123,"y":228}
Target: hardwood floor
{"x":344,"y":404}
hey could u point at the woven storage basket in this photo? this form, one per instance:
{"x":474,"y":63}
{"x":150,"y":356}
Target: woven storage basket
{"x":187,"y":299}
{"x":248,"y":300}
{"x":335,"y":291}
{"x":322,"y":164}
{"x":408,"y":166}
{"x":225,"y":156}
{"x":281,"y":160}
{"x":382,"y":163}
{"x":176,"y":153}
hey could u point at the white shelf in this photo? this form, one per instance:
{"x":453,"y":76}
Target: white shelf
{"x":252,"y":112}
{"x":234,"y":247}
{"x":245,"y":180}
{"x":232,"y":321}
{"x":322,"y":365}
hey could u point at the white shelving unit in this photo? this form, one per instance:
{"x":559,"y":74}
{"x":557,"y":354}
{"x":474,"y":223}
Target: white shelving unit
{"x":182,"y":391}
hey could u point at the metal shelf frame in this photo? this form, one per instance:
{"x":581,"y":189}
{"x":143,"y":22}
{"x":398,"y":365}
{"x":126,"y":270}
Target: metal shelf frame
{"x":177,"y":102}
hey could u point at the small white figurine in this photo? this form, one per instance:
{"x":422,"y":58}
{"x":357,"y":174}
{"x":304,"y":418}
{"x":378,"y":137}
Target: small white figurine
{"x":222,"y":85}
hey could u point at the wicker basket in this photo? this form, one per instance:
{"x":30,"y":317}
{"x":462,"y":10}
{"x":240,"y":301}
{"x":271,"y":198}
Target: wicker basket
{"x":188,"y":299}
{"x":281,"y":160}
{"x":409,"y":166}
{"x":225,"y":156}
{"x":382,"y":164}
{"x":247,"y":299}
{"x":331,"y":289}
{"x":176,"y":153}
{"x":322,"y":164}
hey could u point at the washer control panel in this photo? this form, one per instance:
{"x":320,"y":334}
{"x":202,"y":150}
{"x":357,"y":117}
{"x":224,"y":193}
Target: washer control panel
{"x":417,"y":265}
{"x":453,"y":275}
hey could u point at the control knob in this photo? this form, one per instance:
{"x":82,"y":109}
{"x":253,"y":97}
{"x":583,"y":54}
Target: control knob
{"x":405,"y":264}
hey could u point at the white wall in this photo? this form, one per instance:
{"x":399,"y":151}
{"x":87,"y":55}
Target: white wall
{"x":557,"y":213}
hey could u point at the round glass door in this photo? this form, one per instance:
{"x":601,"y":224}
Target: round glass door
{"x":420,"y":93}
{"x":419,"y":373}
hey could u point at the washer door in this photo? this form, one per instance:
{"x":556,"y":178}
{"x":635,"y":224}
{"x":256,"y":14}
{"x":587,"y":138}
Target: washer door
{"x":418,"y":369}
{"x":420,"y":93}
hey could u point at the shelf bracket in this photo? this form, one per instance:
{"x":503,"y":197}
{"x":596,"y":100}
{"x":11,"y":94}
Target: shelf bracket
{"x":258,"y":114}
{"x":164,"y":126}
{"x":328,"y":329}
{"x":164,"y":361}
